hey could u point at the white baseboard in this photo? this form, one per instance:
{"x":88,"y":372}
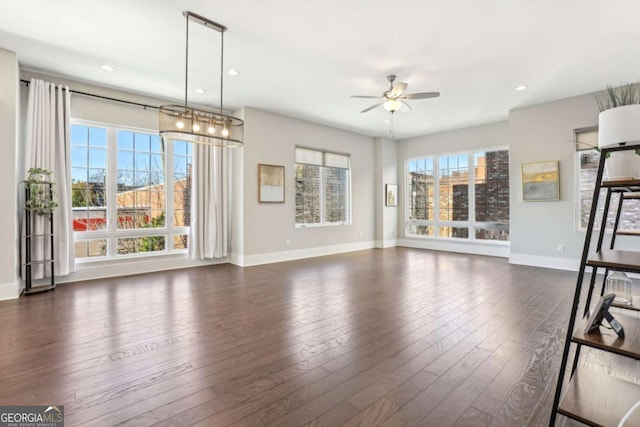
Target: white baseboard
{"x":557,"y":263}
{"x":386,"y":243}
{"x":268,"y":258}
{"x":9,"y":291}
{"x":476,"y":248}
{"x":235,"y":259}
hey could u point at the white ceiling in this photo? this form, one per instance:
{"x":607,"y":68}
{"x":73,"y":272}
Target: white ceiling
{"x":305,"y":58}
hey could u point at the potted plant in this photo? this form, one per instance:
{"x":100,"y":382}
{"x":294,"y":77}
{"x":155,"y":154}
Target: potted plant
{"x":40,"y":201}
{"x":619,"y":123}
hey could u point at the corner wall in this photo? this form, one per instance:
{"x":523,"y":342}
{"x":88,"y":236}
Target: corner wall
{"x":9,"y":180}
{"x":386,"y":169}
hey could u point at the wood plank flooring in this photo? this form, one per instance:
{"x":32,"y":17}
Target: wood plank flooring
{"x":394,"y":337}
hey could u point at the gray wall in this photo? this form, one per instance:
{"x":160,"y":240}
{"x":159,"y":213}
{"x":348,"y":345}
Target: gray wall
{"x":538,"y":133}
{"x":271,"y":139}
{"x":9,"y":180}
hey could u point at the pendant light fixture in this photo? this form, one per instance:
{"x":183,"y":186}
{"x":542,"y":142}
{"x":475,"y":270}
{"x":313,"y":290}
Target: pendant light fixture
{"x":196,"y":124}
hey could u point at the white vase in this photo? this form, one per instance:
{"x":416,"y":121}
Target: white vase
{"x":617,"y":126}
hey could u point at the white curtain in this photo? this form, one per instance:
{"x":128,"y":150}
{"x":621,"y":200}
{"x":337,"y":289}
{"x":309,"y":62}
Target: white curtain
{"x":209,"y":236}
{"x":47,"y":146}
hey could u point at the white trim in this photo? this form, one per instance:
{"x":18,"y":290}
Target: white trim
{"x":389,"y":243}
{"x":470,"y":223}
{"x":9,"y":291}
{"x":557,"y":263}
{"x":132,"y":266}
{"x":271,"y":257}
{"x":459,"y":246}
{"x":112,"y":233}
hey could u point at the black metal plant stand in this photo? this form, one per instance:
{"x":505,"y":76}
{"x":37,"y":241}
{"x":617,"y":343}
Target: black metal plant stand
{"x":47,"y":237}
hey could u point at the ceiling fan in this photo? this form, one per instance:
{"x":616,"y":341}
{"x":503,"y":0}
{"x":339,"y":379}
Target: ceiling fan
{"x":393,"y":98}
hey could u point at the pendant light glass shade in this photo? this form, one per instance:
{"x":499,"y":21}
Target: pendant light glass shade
{"x":196,"y":124}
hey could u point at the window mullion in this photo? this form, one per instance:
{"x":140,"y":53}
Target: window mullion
{"x":471,"y":173}
{"x":169,"y":214}
{"x":322,"y":195}
{"x":112,"y":190}
{"x":436,"y":195}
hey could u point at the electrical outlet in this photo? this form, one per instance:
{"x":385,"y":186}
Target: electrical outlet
{"x":361,"y":234}
{"x":560,"y":248}
{"x":287,"y":243}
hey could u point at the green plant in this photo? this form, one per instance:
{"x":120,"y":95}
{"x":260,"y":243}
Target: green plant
{"x":612,"y":97}
{"x":40,"y":201}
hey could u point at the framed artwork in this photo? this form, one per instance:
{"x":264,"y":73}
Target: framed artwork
{"x":601,"y":313}
{"x":540,"y":181}
{"x":391,"y":195}
{"x":270,"y":184}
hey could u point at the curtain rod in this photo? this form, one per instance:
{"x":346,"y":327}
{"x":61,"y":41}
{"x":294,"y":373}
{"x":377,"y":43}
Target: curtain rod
{"x":107,"y":98}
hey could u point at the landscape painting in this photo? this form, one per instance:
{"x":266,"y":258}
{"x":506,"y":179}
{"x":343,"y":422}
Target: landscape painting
{"x":540,"y":181}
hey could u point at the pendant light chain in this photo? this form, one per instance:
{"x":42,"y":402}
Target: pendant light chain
{"x":391,"y":126}
{"x":186,"y":65}
{"x":221,"y":68}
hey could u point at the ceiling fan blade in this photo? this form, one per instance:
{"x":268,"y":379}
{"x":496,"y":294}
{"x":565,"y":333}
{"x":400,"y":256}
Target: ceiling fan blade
{"x":421,"y":95}
{"x":398,"y":89}
{"x":370,"y":108}
{"x":365,"y":96}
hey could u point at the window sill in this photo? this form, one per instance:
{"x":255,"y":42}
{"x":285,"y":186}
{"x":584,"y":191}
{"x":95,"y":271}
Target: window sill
{"x":333,"y":224}
{"x":488,"y":248}
{"x":459,"y":240}
{"x":110,"y":267}
{"x":130,"y":258}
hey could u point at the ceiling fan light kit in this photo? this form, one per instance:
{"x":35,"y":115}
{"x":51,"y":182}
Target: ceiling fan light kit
{"x":394,"y":98}
{"x":392,"y":105}
{"x":197,"y":124}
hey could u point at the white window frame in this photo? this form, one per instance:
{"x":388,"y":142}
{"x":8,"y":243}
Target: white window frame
{"x":112,"y":234}
{"x":323,"y":222}
{"x":470,"y":224}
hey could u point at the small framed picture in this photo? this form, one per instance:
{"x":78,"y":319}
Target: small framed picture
{"x":598,"y":314}
{"x":540,"y":181}
{"x":270,"y":184}
{"x":391,"y":195}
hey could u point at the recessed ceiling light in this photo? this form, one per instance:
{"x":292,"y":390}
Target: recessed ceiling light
{"x":522,"y":87}
{"x":199,"y":90}
{"x":387,"y":120}
{"x":233,"y":72}
{"x":108,"y":68}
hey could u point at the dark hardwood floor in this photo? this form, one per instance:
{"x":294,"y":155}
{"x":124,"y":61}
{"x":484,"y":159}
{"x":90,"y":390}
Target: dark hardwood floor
{"x":394,"y":337}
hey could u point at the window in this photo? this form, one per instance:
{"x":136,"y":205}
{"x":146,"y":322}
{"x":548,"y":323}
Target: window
{"x":121,"y":202}
{"x":588,"y":160}
{"x":449,"y":199}
{"x":322,"y":187}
